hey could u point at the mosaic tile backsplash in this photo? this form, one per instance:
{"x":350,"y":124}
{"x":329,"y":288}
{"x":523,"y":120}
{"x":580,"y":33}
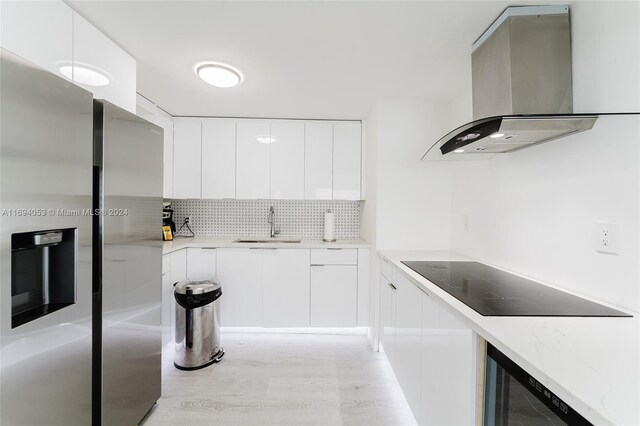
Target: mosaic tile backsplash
{"x":249,"y":217}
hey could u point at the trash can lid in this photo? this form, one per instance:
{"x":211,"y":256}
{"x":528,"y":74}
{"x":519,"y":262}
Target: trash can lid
{"x":196,"y":287}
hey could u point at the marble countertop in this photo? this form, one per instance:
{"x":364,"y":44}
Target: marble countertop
{"x":591,"y":363}
{"x":226,"y":242}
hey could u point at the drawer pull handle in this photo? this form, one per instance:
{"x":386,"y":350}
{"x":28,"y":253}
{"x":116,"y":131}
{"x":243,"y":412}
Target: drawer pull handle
{"x":334,"y":248}
{"x":392,"y":286}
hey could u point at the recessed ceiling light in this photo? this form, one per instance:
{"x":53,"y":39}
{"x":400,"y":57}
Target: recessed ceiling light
{"x":458,"y":151}
{"x":266,"y":139}
{"x":84,"y":74}
{"x":496,"y":135}
{"x":219,"y":75}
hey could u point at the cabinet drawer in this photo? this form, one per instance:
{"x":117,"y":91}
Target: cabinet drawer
{"x":386,"y":269}
{"x":334,"y":256}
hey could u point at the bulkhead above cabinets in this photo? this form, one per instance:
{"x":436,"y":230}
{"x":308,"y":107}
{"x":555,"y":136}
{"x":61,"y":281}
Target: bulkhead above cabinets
{"x":261,"y":159}
{"x":53,"y":36}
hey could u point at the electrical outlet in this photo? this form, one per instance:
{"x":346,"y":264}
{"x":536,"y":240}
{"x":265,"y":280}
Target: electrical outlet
{"x":607,"y":237}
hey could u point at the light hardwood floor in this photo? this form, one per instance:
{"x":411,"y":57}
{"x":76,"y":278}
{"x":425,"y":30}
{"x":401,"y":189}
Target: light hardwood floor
{"x":284,"y":379}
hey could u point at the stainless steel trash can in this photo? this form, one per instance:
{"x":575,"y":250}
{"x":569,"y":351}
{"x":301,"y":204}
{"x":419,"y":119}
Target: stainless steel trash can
{"x":197,"y":324}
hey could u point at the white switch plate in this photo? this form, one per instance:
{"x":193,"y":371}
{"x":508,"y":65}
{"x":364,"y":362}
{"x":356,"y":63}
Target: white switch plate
{"x":607,"y":237}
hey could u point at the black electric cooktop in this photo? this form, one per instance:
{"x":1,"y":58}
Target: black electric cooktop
{"x":492,"y":292}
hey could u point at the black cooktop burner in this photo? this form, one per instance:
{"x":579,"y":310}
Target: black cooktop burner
{"x":492,"y":292}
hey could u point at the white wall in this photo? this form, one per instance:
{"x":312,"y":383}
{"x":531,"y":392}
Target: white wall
{"x":534,"y":211}
{"x":413,"y":197}
{"x":408,"y":204}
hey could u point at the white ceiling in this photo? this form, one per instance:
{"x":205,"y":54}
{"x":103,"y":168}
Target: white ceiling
{"x":301,"y":59}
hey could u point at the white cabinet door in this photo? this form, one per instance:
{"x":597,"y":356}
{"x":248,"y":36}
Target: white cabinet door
{"x":186,"y":158}
{"x":40,"y":32}
{"x":318,"y":160}
{"x":240,"y":274}
{"x":165,"y":121}
{"x":447,"y":373}
{"x":408,"y":341}
{"x":178,"y":266}
{"x":334,"y":295}
{"x":287,"y":160}
{"x":364,"y":287}
{"x":253,"y":159}
{"x":95,"y":52}
{"x":347,"y":160}
{"x":388,"y":318}
{"x":286,"y":288}
{"x":167,"y":299}
{"x":201,"y":264}
{"x":218,"y":158}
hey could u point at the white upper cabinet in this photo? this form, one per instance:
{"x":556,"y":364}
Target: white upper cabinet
{"x":318,"y":160}
{"x":218,"y":158}
{"x":150,"y":112}
{"x":347,"y":159}
{"x":187,"y":146}
{"x":253,"y":159}
{"x":40,"y":32}
{"x":165,"y":121}
{"x":287,"y":160}
{"x":95,"y":52}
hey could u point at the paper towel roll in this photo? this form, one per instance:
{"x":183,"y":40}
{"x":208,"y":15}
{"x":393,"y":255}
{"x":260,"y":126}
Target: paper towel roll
{"x":329,"y":227}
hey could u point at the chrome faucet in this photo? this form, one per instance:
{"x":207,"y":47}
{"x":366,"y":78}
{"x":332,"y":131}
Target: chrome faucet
{"x":272,"y":221}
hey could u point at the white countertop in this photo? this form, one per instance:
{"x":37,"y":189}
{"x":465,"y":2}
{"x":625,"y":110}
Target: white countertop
{"x":226,"y":242}
{"x":591,"y":363}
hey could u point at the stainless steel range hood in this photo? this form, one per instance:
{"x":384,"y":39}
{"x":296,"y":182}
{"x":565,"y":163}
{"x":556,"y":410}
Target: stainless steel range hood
{"x":522,"y":90}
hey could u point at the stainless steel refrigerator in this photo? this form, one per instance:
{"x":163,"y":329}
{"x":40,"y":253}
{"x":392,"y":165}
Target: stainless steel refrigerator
{"x":80,"y":254}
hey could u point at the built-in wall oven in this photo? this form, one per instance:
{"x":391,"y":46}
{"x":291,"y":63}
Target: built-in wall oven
{"x":514,"y":397}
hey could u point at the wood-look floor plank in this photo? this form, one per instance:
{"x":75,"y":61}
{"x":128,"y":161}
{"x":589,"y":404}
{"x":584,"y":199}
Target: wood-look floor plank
{"x":284,"y":379}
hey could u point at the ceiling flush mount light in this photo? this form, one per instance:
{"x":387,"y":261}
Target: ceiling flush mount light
{"x":84,"y":74}
{"x":266,"y":139}
{"x":219,"y":75}
{"x":496,"y":135}
{"x":458,"y":151}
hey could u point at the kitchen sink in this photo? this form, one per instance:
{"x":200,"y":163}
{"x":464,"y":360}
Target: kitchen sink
{"x":267,"y":240}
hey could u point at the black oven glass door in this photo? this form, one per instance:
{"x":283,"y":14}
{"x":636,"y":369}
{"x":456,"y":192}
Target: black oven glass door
{"x":514,"y":398}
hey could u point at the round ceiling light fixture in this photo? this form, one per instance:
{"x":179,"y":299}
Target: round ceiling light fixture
{"x":84,"y":74}
{"x":459,"y":150}
{"x":496,"y":135}
{"x":219,"y":75}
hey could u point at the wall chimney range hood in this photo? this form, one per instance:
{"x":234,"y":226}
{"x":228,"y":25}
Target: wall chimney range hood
{"x":521,"y":84}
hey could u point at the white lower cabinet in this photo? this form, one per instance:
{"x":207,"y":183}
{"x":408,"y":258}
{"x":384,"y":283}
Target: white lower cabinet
{"x":448,"y":367}
{"x":388,"y":318}
{"x":239,"y":271}
{"x":174,"y":269}
{"x":201,"y":264}
{"x":431,"y":350}
{"x":408,"y":341}
{"x":167,"y":299}
{"x":334,"y":295}
{"x":285,"y":287}
{"x":273,"y":287}
{"x":178,"y":266}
